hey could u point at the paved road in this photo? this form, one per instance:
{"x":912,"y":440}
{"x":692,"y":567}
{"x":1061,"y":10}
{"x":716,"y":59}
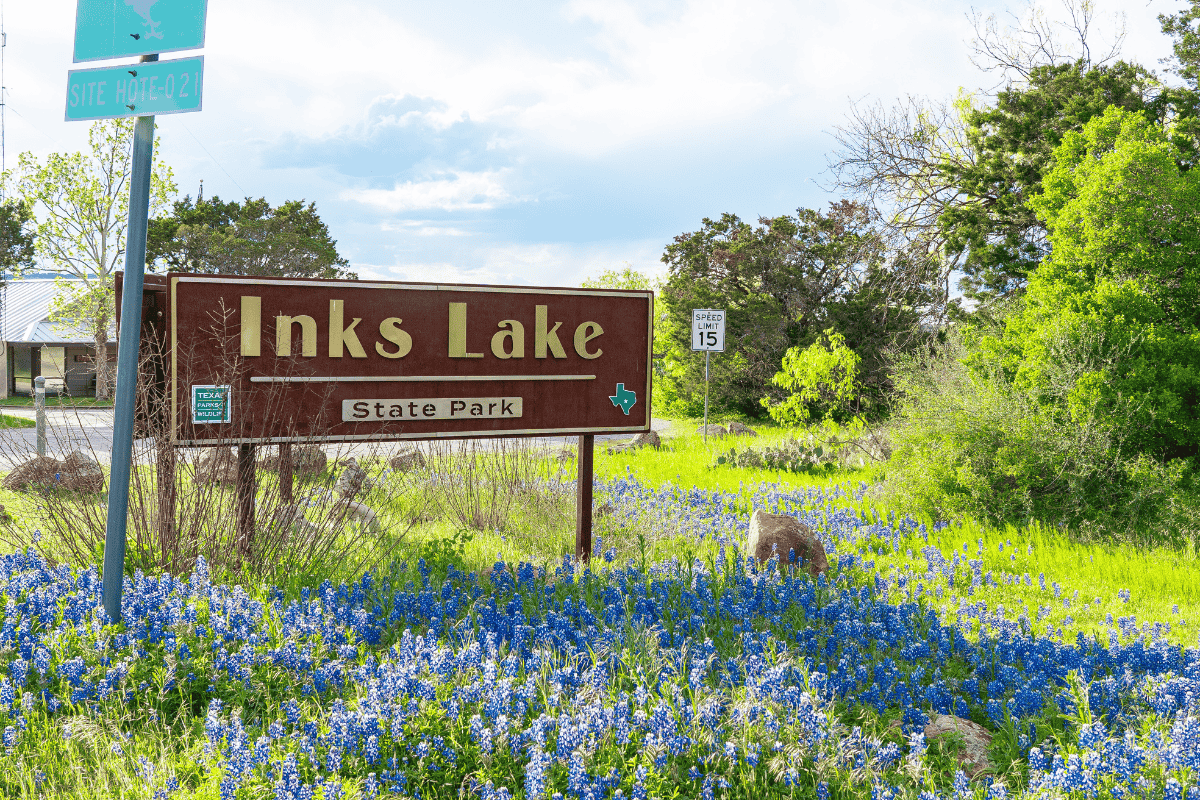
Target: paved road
{"x":90,"y":430}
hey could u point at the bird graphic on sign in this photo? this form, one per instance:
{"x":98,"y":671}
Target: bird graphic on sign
{"x":623,"y":399}
{"x":142,"y":8}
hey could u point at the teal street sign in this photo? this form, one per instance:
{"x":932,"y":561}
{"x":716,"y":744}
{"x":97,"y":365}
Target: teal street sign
{"x":119,"y":28}
{"x":211,"y":404}
{"x":135,"y":90}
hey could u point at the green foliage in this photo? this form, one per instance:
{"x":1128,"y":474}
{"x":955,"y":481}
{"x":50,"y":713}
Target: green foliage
{"x":1084,"y":409}
{"x":790,"y":455}
{"x":627,"y":278}
{"x":1110,"y":332}
{"x":81,"y":202}
{"x":822,"y":376}
{"x":970,"y":444}
{"x":784,"y":282}
{"x":248,"y":238}
{"x":1001,"y":237}
{"x":440,"y":553}
{"x":17,"y":250}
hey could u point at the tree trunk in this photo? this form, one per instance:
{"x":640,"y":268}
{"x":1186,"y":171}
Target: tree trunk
{"x":101,"y":356}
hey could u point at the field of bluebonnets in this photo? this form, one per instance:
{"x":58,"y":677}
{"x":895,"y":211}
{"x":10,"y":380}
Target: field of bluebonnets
{"x":672,"y":666}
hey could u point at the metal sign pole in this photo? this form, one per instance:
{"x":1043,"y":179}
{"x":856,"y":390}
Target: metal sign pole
{"x":707,"y":353}
{"x":39,"y":406}
{"x":127,"y":362}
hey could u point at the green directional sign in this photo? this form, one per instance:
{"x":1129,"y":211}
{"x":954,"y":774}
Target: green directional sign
{"x":135,"y":90}
{"x":119,"y":28}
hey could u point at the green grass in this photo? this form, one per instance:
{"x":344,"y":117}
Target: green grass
{"x":687,"y":460}
{"x":55,"y":401}
{"x":9,"y":421}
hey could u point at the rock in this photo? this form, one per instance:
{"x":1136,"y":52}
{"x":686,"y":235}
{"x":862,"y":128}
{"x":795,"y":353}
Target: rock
{"x":36,"y":473}
{"x":361,"y":514}
{"x":352,"y":480}
{"x":81,"y":473}
{"x":217,"y":465}
{"x":778,"y":534}
{"x":306,"y":460}
{"x":408,"y":459}
{"x":303,"y":530}
{"x":714,"y":431}
{"x":739,"y":429}
{"x":972,"y":756}
{"x":647,"y":439}
{"x":77,"y":473}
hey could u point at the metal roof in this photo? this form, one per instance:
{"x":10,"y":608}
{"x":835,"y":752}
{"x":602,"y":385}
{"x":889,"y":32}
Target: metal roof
{"x":25,"y":315}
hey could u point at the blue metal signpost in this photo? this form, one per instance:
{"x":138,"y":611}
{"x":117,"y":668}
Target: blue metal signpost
{"x":123,"y":28}
{"x":114,"y":29}
{"x":127,"y":364}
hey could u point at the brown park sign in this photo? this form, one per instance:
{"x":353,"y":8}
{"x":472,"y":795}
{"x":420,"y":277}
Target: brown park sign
{"x":261,"y":360}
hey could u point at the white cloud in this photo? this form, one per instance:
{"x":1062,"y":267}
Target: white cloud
{"x":551,"y":264}
{"x":474,"y":191}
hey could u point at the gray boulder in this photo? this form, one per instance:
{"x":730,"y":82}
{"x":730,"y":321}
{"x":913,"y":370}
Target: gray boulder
{"x":36,"y":473}
{"x":778,"y":534}
{"x":714,"y":431}
{"x":408,"y":459}
{"x":647,"y":439}
{"x":352,"y":479}
{"x":972,"y":755}
{"x":360,"y":514}
{"x":81,"y":473}
{"x":307,"y":459}
{"x":740,"y":429}
{"x":78,"y":472}
{"x":217,"y":465}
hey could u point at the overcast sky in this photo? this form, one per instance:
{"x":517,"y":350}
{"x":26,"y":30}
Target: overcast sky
{"x":533,"y":142}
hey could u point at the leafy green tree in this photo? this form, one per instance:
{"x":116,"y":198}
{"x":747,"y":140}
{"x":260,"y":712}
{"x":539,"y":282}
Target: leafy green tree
{"x":81,"y":202}
{"x":17,"y":250}
{"x":1110,"y":329}
{"x":248,"y":238}
{"x":784,"y":282}
{"x":1013,"y":141}
{"x":626,"y":278}
{"x":821,"y":377}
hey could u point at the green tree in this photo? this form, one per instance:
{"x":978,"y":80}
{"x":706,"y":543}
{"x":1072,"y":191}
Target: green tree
{"x":784,"y":282}
{"x":81,"y":202}
{"x":821,"y":377}
{"x":17,"y":250}
{"x":999,"y":236}
{"x":248,"y":238}
{"x":625,"y":278}
{"x":1110,"y":329}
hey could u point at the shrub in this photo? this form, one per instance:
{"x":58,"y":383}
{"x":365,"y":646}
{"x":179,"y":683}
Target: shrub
{"x":970,"y":443}
{"x":821,"y":377}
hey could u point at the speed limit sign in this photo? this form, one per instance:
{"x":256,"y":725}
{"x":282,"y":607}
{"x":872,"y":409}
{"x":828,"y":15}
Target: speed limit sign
{"x":708,"y":329}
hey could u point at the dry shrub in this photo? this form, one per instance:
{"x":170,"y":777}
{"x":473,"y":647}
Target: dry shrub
{"x":486,"y":484}
{"x":183,"y":502}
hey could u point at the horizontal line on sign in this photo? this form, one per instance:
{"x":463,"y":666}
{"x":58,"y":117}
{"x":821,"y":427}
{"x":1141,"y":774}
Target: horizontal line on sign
{"x":424,"y":287}
{"x":414,"y":378}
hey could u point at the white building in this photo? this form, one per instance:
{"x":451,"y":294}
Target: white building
{"x":33,"y":345}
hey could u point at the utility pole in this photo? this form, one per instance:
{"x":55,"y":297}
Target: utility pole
{"x":3,"y":99}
